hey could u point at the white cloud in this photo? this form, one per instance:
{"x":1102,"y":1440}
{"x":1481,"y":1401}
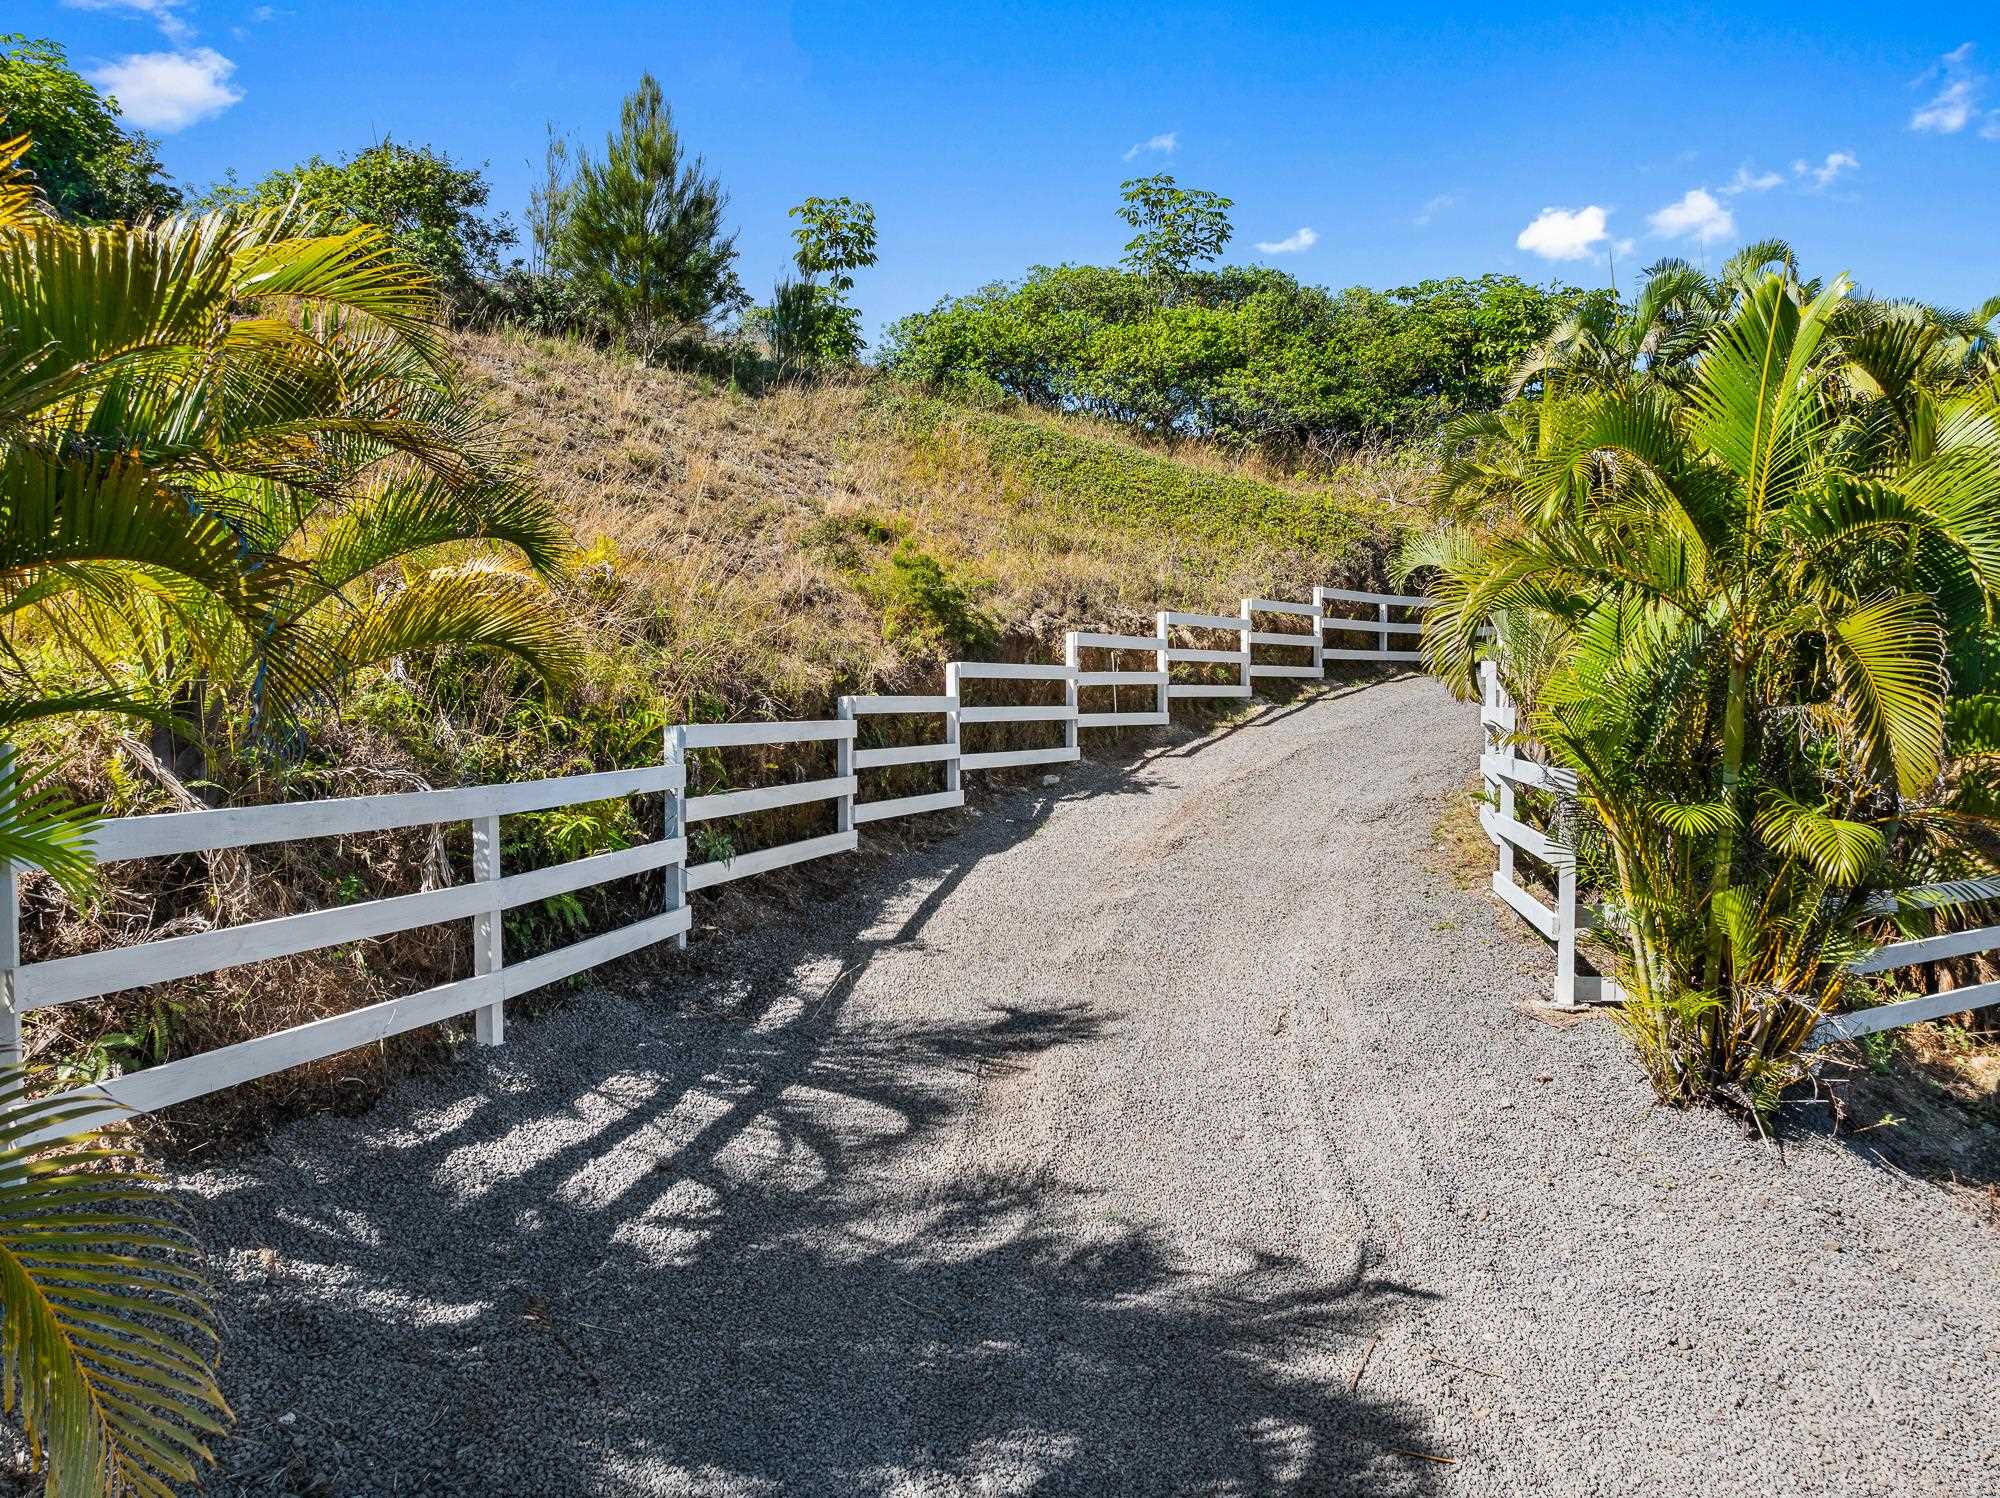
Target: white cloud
{"x":1746,"y":180}
{"x":168,"y":91}
{"x":1958,"y":103}
{"x":1427,"y":215}
{"x":1825,"y":174}
{"x":1564,"y":234}
{"x":1166,"y":143}
{"x":162,"y":13}
{"x":1291,"y":244}
{"x":1948,"y":112}
{"x":1695,"y":214}
{"x":1624,"y":247}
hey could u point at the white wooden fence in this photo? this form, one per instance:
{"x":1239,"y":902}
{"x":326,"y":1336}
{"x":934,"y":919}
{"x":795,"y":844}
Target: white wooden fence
{"x":492,"y":892}
{"x":1899,"y":954}
{"x":1505,"y":773}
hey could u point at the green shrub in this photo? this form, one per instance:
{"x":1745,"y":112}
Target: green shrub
{"x":925,"y":605}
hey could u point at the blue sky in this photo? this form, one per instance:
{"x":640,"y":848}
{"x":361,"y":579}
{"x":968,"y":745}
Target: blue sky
{"x":1362,"y":143}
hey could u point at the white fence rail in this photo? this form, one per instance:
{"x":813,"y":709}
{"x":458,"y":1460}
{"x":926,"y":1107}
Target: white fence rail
{"x":1138,"y":698}
{"x":1504,"y":773}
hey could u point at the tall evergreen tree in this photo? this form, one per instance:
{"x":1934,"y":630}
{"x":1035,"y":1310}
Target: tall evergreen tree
{"x":643,"y":231}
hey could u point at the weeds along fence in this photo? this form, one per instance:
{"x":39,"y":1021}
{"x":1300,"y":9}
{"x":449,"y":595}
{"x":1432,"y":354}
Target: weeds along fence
{"x":871,"y":739}
{"x":1506,"y":774}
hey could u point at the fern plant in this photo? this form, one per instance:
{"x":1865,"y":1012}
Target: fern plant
{"x":108,"y":1341}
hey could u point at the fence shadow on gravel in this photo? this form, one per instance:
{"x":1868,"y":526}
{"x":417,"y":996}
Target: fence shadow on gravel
{"x":713,"y":1264}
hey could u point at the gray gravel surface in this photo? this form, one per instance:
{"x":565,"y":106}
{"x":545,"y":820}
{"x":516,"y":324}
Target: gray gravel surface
{"x":1174,"y":1130}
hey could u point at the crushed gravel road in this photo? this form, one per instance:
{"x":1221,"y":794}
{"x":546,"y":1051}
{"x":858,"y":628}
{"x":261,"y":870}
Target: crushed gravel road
{"x":1177,"y":1129}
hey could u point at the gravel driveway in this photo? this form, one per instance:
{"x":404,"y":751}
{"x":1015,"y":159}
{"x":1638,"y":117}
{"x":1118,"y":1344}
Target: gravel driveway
{"x":1171,"y":1131}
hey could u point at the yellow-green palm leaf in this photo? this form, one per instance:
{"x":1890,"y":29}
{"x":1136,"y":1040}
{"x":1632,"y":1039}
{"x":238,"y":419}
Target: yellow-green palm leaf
{"x":107,"y":1339}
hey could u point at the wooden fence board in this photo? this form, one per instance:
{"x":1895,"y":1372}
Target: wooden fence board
{"x":41,"y":984}
{"x":724,"y":870}
{"x":294,"y":821}
{"x":177,"y":1081}
{"x":903,"y":754}
{"x":767,"y":798}
{"x":907,"y":806}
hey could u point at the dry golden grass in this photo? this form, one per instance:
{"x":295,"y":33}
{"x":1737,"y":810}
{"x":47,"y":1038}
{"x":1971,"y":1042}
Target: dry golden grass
{"x":707,"y":497}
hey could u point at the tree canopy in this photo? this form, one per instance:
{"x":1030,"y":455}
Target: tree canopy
{"x":642,"y":228}
{"x":431,"y":208}
{"x":86,"y":164}
{"x":1243,"y":354}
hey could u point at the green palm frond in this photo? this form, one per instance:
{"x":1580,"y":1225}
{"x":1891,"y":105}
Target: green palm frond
{"x":1888,"y":659}
{"x":1972,"y":724}
{"x":472,"y":607}
{"x":18,"y":199}
{"x":356,"y":272}
{"x":1754,"y":404}
{"x":39,"y":829}
{"x":106,"y":297}
{"x":109,"y":1348}
{"x":88,"y":508}
{"x":1694,"y":818}
{"x":1838,"y":850}
{"x":407,"y":518}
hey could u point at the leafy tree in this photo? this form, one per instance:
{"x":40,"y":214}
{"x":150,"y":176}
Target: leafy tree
{"x":809,"y":325}
{"x":1244,"y":354}
{"x":548,"y":199}
{"x":643,"y":232}
{"x":1727,"y":600}
{"x":836,"y":237}
{"x":539,"y":295}
{"x":430,"y":207}
{"x":86,"y":165}
{"x":1179,"y":227}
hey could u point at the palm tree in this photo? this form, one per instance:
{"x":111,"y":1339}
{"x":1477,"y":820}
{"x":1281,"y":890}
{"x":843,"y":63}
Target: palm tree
{"x":322,"y":497}
{"x":1657,"y":339}
{"x":233,"y":469}
{"x":1747,"y":585}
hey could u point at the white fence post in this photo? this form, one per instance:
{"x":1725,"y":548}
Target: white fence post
{"x":1382,"y":640}
{"x":1565,"y":996}
{"x":488,"y":931}
{"x":1072,"y":694}
{"x":1319,"y":628}
{"x":1502,"y":727}
{"x":843,"y":766}
{"x":1248,"y":626}
{"x":675,"y":825}
{"x":10,"y":931}
{"x":953,"y":765}
{"x":1160,"y":628}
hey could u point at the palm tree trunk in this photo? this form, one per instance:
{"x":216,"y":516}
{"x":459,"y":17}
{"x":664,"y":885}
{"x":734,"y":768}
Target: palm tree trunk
{"x":1734,"y":733}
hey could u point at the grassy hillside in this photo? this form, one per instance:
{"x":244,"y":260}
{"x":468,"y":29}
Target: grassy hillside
{"x":737,"y":556}
{"x":773,"y":521}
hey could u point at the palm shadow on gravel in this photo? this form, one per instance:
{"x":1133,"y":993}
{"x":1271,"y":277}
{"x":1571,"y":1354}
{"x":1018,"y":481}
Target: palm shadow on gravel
{"x":635,"y":1253}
